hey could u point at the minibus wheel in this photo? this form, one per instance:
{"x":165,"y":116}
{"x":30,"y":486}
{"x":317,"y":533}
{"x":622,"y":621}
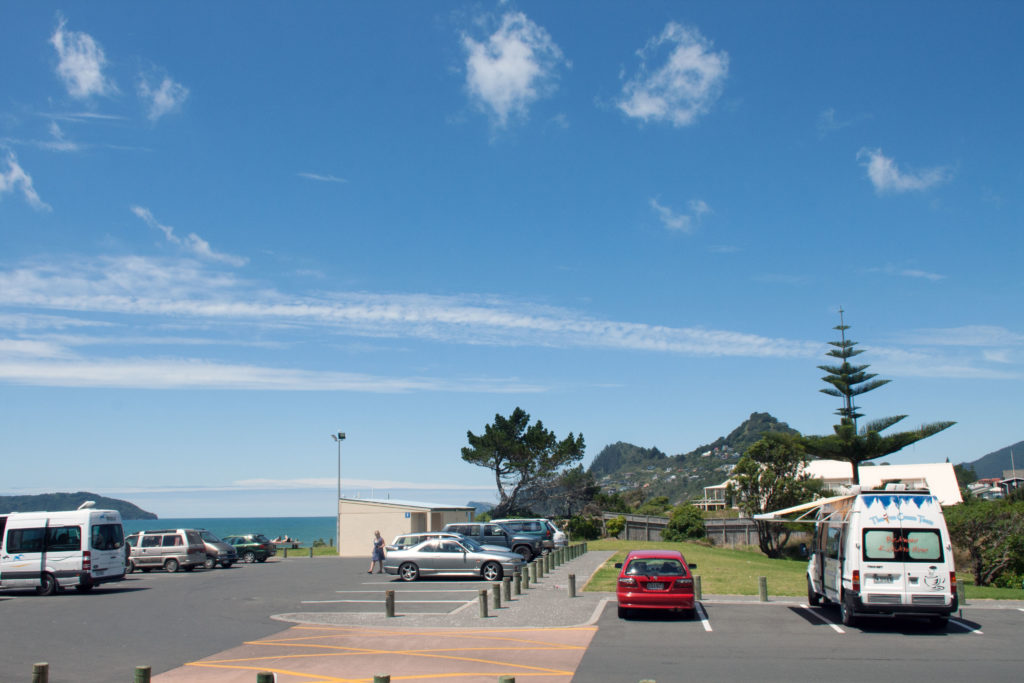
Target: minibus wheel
{"x":846,"y":612}
{"x":48,"y":585}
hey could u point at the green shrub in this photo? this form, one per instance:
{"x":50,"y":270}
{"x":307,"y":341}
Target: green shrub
{"x":685,"y":523}
{"x":584,"y":528}
{"x":615,"y":526}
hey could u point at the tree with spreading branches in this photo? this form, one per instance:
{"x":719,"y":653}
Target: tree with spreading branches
{"x":847,"y":442}
{"x":520,"y":454}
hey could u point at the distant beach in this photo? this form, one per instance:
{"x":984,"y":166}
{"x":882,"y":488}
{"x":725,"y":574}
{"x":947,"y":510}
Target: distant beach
{"x":304,"y":529}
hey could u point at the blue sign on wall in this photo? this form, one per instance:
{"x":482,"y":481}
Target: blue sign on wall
{"x":408,"y":514}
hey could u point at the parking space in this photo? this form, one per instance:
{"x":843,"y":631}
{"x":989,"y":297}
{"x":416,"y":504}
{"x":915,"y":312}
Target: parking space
{"x":423,"y":597}
{"x":740,"y":640}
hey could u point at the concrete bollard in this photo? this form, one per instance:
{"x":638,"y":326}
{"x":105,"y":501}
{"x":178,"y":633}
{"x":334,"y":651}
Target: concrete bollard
{"x":496,"y":595}
{"x":697,"y":593}
{"x":40,"y":672}
{"x":762,"y":588}
{"x":382,"y":678}
{"x":533,"y":572}
{"x":507,"y":679}
{"x":517,"y":583}
{"x":482,"y":599}
{"x":572,"y":585}
{"x":389,"y":603}
{"x":266,"y":677}
{"x":143,"y":674}
{"x":506,"y":589}
{"x":526,"y":578}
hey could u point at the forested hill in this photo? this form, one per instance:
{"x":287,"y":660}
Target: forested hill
{"x":623,"y":466}
{"x":997,"y":462}
{"x":70,"y":501}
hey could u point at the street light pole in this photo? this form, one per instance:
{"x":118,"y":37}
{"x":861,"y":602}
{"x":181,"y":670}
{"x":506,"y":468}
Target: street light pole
{"x":338,"y":438}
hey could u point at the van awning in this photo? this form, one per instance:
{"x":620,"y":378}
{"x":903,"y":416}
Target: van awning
{"x":806,"y":509}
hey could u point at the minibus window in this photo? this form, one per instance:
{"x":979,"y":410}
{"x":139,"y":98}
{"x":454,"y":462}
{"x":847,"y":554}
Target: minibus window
{"x":832,"y":543}
{"x":923,"y":546}
{"x":63,"y":538}
{"x":878,"y":545}
{"x":107,"y":536}
{"x":25,"y":540}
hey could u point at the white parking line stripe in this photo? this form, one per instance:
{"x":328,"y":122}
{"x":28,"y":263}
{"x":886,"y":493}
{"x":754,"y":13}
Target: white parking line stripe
{"x":835,"y":627}
{"x":404,"y":602}
{"x":965,"y":626}
{"x":416,"y":590}
{"x":1021,"y":609}
{"x":703,"y":617}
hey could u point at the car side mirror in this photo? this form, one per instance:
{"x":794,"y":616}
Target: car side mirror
{"x":692,"y":565}
{"x":618,"y":565}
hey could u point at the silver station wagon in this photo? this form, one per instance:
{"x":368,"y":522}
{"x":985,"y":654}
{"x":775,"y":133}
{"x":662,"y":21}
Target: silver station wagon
{"x":451,"y":557}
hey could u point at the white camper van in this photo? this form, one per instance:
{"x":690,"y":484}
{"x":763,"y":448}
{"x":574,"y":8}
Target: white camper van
{"x":880,"y":553}
{"x":54,"y":550}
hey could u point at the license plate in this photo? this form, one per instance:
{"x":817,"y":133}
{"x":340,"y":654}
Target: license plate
{"x":883,"y":578}
{"x":655,"y":586}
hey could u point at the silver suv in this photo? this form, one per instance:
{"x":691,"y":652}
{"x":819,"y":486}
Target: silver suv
{"x":172,"y":549}
{"x":492,"y":533}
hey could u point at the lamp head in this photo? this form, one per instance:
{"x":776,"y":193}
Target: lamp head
{"x":340,"y":436}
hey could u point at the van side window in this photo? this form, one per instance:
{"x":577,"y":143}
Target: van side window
{"x":63,"y":538}
{"x":170,"y":541}
{"x":151,"y":541}
{"x":493,"y":530}
{"x":832,"y":543}
{"x":25,"y":540}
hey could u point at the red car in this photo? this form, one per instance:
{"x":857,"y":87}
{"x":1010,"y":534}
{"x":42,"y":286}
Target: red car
{"x":655,"y":579}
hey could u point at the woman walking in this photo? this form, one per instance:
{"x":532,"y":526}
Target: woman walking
{"x":377,"y":556}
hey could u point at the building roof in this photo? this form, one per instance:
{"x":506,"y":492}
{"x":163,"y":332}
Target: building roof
{"x":393,"y":502}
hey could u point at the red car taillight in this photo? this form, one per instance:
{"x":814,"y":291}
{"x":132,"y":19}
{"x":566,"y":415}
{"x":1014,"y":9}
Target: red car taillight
{"x":86,"y":561}
{"x":952,"y":583}
{"x":627,"y":581}
{"x":684,"y":583}
{"x":856,"y":580}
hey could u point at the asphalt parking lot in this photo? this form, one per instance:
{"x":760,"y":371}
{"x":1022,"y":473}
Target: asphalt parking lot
{"x":323,"y":619}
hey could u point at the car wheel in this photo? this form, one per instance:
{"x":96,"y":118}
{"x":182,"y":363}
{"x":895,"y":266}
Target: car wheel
{"x":846,"y":612}
{"x":409,"y":571}
{"x":226,"y":565}
{"x":491,"y":571}
{"x":525,"y":551}
{"x":48,"y":585}
{"x":171,"y":566}
{"x":623,"y":612}
{"x":690,"y":614}
{"x":813,"y":599}
{"x":248,"y":557}
{"x":189,"y":567}
{"x":210,"y":562}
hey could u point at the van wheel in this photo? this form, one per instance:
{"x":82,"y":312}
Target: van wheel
{"x":813,"y":599}
{"x":48,"y":585}
{"x":846,"y":612}
{"x":524,"y":551}
{"x":210,"y":562}
{"x":171,"y":566}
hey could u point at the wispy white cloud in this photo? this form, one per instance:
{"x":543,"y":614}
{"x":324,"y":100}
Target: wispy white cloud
{"x":909,"y":272}
{"x":886,"y":176}
{"x":80,"y":63}
{"x":193,"y":243}
{"x":323,"y":178}
{"x":681,"y":86}
{"x":967,"y":335}
{"x":15,"y":178}
{"x":682,"y":222}
{"x":161,"y":99}
{"x":511,"y":68}
{"x":58,"y":141}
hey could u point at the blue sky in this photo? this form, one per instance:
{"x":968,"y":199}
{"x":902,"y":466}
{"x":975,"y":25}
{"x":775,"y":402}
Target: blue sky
{"x":228,"y":230}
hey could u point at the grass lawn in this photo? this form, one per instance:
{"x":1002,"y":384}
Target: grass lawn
{"x":725,"y":571}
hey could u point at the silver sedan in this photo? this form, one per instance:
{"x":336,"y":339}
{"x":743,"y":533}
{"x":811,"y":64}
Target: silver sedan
{"x":450,"y":556}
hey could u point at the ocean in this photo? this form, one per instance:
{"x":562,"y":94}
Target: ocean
{"x":304,"y":529}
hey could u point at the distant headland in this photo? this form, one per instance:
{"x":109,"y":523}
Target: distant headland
{"x":71,"y":501}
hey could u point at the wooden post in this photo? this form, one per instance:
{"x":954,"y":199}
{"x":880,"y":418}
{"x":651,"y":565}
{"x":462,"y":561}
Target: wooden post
{"x":506,"y":589}
{"x":482,"y":599}
{"x":696,"y":588}
{"x":762,"y":587}
{"x":382,"y":678}
{"x":389,"y":603}
{"x":40,"y":672}
{"x":143,"y":674}
{"x":507,"y":679}
{"x":496,"y":595}
{"x":572,"y":585}
{"x":517,"y":583}
{"x":265,"y":677}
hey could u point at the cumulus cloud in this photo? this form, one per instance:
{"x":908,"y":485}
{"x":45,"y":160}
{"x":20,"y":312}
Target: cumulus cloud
{"x":681,"y":222}
{"x":80,"y":63}
{"x":511,"y":68}
{"x":886,"y":176}
{"x":677,"y":87}
{"x":193,"y":243}
{"x":161,"y":99}
{"x":15,"y":178}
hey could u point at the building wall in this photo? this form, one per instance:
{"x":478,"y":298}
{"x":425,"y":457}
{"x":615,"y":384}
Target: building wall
{"x":360,"y":518}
